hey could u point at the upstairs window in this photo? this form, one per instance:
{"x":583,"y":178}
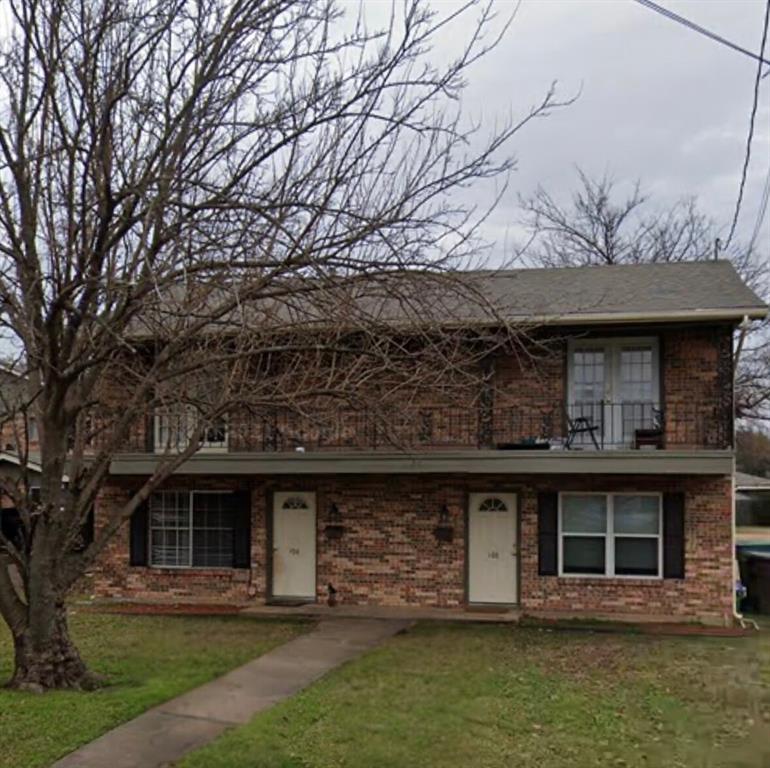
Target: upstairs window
{"x":174,"y":428}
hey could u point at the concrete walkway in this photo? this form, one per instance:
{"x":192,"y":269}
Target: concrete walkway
{"x":167,"y":732}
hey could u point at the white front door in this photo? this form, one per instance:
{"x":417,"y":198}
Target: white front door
{"x":492,"y":548}
{"x":294,"y":542}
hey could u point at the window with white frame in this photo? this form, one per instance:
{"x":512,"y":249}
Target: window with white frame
{"x":174,"y":427}
{"x":610,"y":534}
{"x":191,"y":529}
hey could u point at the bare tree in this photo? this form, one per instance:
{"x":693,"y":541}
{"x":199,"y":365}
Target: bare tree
{"x":190,"y":194}
{"x":753,"y":452}
{"x":601,"y":226}
{"x":752,"y":377}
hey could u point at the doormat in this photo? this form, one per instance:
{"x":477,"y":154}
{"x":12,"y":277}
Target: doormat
{"x":481,"y":608}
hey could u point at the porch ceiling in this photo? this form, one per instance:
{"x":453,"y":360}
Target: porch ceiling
{"x":468,"y":462}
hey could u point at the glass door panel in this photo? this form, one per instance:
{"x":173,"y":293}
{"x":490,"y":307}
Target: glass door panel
{"x":588,"y":387}
{"x":636,"y":392}
{"x":613,"y":392}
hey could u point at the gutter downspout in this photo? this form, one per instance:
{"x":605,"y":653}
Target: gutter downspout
{"x":737,"y":615}
{"x":743,"y":326}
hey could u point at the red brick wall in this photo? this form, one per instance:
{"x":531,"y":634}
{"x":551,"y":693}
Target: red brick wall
{"x":388,"y":554}
{"x":113,"y":577}
{"x":696,"y":389}
{"x":697,"y":386}
{"x":705,"y":592}
{"x":528,"y":395}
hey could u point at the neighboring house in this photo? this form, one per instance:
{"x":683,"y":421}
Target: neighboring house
{"x":598,"y":482}
{"x":14,"y":430}
{"x":752,"y":510}
{"x":11,"y":468}
{"x":752,"y":538}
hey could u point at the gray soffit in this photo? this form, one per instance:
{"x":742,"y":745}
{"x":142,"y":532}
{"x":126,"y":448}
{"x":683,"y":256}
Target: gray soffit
{"x":471,"y":462}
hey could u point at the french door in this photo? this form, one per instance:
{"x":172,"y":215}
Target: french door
{"x":614,"y":390}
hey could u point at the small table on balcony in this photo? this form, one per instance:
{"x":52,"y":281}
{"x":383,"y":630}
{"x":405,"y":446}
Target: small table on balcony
{"x":648,"y":438}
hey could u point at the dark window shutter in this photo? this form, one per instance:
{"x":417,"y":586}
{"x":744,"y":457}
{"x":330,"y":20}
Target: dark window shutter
{"x":673,"y":535}
{"x":242,"y":529}
{"x":86,"y":532}
{"x":10,"y":524}
{"x":139,"y":536}
{"x":149,"y":431}
{"x":547,"y":533}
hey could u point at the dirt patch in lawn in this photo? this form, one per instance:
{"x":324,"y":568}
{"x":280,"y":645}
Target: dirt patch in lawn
{"x":646,"y":628}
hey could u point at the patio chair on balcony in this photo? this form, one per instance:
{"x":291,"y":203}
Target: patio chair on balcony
{"x":581,"y":425}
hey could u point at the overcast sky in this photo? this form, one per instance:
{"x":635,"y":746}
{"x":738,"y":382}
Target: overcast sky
{"x":658,"y":102}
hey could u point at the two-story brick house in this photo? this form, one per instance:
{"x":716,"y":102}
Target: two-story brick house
{"x":596,"y":481}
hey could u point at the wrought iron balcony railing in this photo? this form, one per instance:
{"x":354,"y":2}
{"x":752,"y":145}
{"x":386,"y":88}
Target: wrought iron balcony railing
{"x":582,"y":426}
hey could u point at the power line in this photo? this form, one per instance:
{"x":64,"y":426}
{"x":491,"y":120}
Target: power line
{"x":701,"y":30}
{"x":761,"y":214}
{"x":752,"y":119}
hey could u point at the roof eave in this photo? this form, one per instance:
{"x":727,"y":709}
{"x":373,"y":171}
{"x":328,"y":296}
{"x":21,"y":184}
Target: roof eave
{"x":735,"y":315}
{"x":732,"y":315}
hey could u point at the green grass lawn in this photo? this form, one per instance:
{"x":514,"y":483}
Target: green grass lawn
{"x":147,"y":659}
{"x":481,"y":695}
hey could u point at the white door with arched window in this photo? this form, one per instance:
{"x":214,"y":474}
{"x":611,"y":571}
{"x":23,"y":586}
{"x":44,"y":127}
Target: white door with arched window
{"x":492,"y":548}
{"x":294,"y":545}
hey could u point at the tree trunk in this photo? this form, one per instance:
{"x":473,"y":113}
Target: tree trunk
{"x":46,"y":658}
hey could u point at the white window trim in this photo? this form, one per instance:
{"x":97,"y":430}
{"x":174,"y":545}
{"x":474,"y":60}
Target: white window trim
{"x":190,"y":567}
{"x":609,"y":537}
{"x":205,"y":447}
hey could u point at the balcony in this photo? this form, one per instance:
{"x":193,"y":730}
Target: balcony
{"x":577,"y":427}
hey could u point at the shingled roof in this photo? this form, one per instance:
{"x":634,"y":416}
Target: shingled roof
{"x":644,"y":292}
{"x":746,"y":482}
{"x":637,"y":293}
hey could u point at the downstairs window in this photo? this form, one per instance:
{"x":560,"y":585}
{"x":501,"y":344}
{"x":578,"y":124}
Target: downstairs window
{"x":612,"y":534}
{"x":192,"y":529}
